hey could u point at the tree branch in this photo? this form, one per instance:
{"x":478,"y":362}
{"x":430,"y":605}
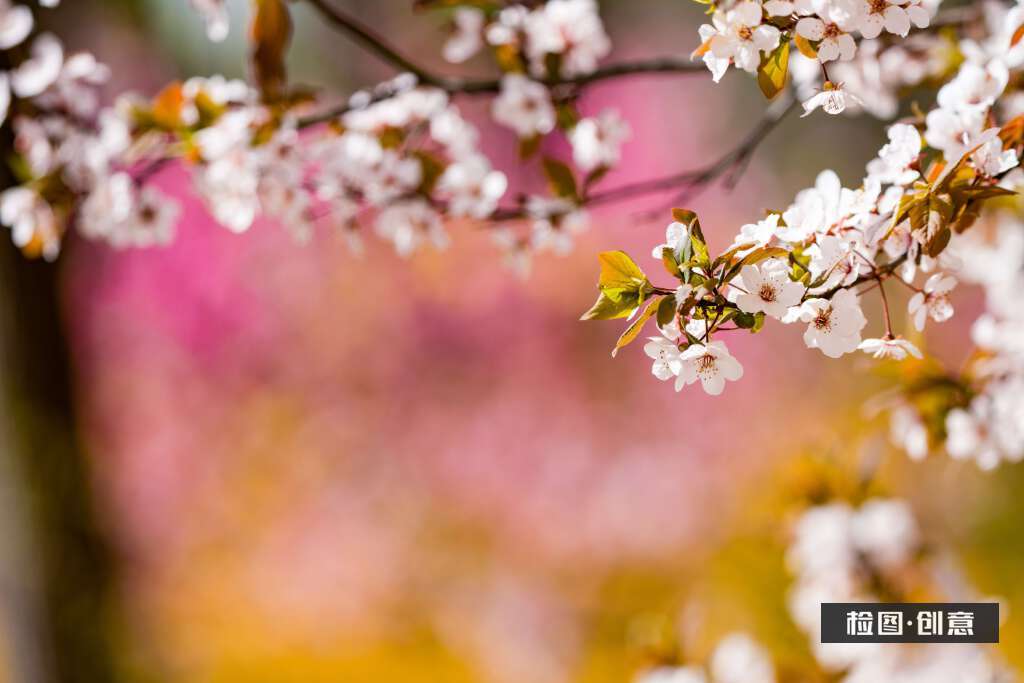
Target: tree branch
{"x":378,"y":45}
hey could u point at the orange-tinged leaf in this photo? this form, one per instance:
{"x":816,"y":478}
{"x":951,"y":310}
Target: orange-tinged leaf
{"x":1012,"y":134}
{"x":1017,"y":35}
{"x":633,"y":331}
{"x":771,"y":75}
{"x":270,"y":35}
{"x":805,"y":47}
{"x":167,"y":106}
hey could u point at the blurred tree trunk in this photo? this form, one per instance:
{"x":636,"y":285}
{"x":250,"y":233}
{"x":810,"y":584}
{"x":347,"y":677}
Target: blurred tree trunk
{"x":60,"y":610}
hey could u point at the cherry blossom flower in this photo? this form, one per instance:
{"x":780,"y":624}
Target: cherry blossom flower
{"x":32,"y":221}
{"x":815,"y":209}
{"x":990,"y":158}
{"x":738,"y":658}
{"x":890,"y":347}
{"x":885,"y":531}
{"x":230,"y":186}
{"x":834,"y":325}
{"x":974,"y":86}
{"x":472,"y":186}
{"x":955,"y":132}
{"x":836,"y":42}
{"x":555,"y":223}
{"x":665,"y":353}
{"x":894,"y":159}
{"x":675,"y":233}
{"x":710,"y":363}
{"x":895,"y":16}
{"x":524,"y":106}
{"x":908,"y":432}
{"x":834,"y":258}
{"x":740,"y":36}
{"x":968,"y":435}
{"x":766,"y":287}
{"x":596,"y":141}
{"x":673,"y":674}
{"x":569,"y":28}
{"x":409,"y":225}
{"x":16,"y":23}
{"x":832,"y":99}
{"x":468,"y":37}
{"x":41,"y":70}
{"x":515,"y":250}
{"x":933,"y":301}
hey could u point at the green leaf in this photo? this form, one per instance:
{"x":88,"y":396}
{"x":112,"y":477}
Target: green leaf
{"x":633,"y":331}
{"x":529,"y":146}
{"x":666,"y":310}
{"x":668,"y":259}
{"x":606,"y":308}
{"x":623,"y":287}
{"x":749,"y":321}
{"x":771,"y":75}
{"x":561,"y":179}
{"x":618,"y":271}
{"x":566,"y":116}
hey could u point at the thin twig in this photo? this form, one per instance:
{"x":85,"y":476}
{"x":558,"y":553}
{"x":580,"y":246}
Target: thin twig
{"x":693,"y":181}
{"x":730,"y":165}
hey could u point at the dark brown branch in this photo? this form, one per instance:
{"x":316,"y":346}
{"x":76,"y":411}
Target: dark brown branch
{"x":378,"y":45}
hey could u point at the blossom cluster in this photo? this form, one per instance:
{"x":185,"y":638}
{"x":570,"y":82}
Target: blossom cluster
{"x":755,"y":36}
{"x":868,"y":553}
{"x":811,"y":263}
{"x":556,"y":38}
{"x":976,"y":414}
{"x":398,"y":157}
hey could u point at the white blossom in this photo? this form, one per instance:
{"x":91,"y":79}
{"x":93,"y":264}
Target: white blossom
{"x":895,"y":16}
{"x":524,"y":106}
{"x":766,"y":287}
{"x":596,"y":141}
{"x":41,"y":70}
{"x":665,"y":353}
{"x":710,"y":363}
{"x":16,"y":23}
{"x":571,"y":29}
{"x":740,"y":36}
{"x":890,"y":347}
{"x":472,"y":186}
{"x":833,"y":32}
{"x":738,"y":658}
{"x":933,"y":301}
{"x":467,"y":39}
{"x":832,"y":99}
{"x":411,"y":224}
{"x":895,"y":157}
{"x":834,"y":324}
